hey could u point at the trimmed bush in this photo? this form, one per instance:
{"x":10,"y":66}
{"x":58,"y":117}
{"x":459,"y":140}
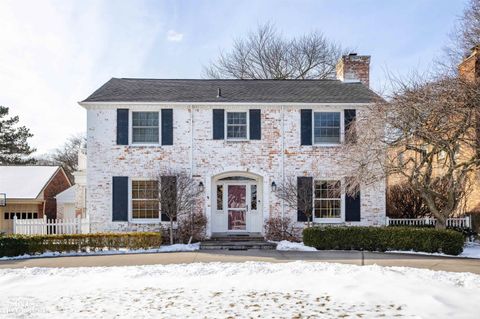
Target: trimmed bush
{"x":385,"y":238}
{"x":16,"y":245}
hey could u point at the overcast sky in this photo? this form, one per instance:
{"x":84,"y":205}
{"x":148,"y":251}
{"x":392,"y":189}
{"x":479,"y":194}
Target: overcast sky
{"x":55,"y":53}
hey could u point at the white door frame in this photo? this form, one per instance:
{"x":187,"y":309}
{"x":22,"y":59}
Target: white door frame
{"x":219,"y":218}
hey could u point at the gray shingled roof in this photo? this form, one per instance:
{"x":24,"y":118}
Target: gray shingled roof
{"x":266,"y":91}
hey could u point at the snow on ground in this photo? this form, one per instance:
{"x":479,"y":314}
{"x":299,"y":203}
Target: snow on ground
{"x":232,"y":290}
{"x":286,"y":245}
{"x":471,"y":250}
{"x":121,"y":251}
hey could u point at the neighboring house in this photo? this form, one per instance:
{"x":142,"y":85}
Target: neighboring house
{"x":71,"y":202}
{"x":30,"y":192}
{"x":469,"y":69}
{"x":237,"y":138}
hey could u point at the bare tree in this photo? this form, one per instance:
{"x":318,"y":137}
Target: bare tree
{"x":297,"y":196}
{"x":266,"y":54}
{"x":464,"y":36}
{"x":431,"y":137}
{"x":178,"y":196}
{"x":66,"y":155}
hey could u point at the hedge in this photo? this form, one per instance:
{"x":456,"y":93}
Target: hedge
{"x":16,"y":245}
{"x":385,"y":238}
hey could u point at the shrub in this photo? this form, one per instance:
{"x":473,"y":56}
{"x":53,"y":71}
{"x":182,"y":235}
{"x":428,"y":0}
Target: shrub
{"x":193,"y":225}
{"x":281,"y":228}
{"x":467,"y":232}
{"x":385,"y":238}
{"x":404,"y":202}
{"x":16,"y":245}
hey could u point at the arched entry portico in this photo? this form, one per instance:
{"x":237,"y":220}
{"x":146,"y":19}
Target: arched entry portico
{"x":237,"y":203}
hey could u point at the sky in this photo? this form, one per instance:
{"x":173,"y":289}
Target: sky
{"x":56,"y":53}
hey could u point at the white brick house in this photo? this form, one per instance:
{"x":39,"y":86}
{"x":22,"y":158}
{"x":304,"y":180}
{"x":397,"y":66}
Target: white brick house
{"x":238,"y":138}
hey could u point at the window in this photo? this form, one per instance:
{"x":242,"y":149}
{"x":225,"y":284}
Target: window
{"x":326,"y":127}
{"x":253,"y":197}
{"x":145,"y":127}
{"x":236,"y":125}
{"x":145,"y":203}
{"x":219,"y":197}
{"x":26,"y":215}
{"x":327,"y":199}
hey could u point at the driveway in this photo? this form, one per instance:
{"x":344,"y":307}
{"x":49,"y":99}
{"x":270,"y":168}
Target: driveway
{"x":346,"y":257}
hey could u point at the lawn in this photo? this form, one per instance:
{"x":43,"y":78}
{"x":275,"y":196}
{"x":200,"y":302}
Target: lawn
{"x":231,"y":290}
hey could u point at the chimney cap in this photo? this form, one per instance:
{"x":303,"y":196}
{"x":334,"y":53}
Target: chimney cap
{"x":352,"y":54}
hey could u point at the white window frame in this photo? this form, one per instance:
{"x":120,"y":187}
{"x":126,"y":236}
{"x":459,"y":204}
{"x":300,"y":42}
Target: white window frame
{"x":130,"y":127}
{"x":130,"y":204}
{"x":248,"y":126}
{"x":342,"y":126}
{"x":340,"y":219}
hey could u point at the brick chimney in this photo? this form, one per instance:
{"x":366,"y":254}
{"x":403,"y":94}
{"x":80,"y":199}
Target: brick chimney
{"x":354,"y":68}
{"x":469,"y":69}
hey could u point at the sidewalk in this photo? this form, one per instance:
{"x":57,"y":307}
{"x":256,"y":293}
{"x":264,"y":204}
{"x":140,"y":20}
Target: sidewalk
{"x":346,"y":257}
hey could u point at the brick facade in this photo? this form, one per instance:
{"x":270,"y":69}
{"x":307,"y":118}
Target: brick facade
{"x":57,"y":184}
{"x":194,"y":149}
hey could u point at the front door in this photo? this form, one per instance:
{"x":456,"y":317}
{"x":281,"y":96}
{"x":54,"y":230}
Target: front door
{"x":237,"y":207}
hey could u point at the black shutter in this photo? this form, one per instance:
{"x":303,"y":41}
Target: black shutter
{"x":167,"y":127}
{"x":306,"y":127}
{"x":349,"y":118}
{"x":352,"y":207}
{"x":218,"y":124}
{"x":120,"y":199}
{"x":304,"y":197}
{"x":122,"y":126}
{"x":168,"y":197}
{"x":255,"y":125}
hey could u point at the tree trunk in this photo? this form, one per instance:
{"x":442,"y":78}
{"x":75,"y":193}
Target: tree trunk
{"x":171,"y":231}
{"x":441,"y":222}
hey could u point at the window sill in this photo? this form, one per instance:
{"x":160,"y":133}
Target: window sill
{"x":237,"y":140}
{"x":327,"y":145}
{"x":144,"y":144}
{"x":328,"y":221}
{"x":144,"y":221}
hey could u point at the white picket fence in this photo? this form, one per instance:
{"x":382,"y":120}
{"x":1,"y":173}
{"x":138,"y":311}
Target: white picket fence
{"x":451,"y":222}
{"x":45,"y":226}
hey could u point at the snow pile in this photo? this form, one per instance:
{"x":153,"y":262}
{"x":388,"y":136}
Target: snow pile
{"x":121,"y":251}
{"x":251,"y":289}
{"x":286,"y":245}
{"x":179,"y":247}
{"x":471,"y":250}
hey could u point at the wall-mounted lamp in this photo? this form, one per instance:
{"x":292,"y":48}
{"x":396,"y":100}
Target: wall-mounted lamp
{"x":201,"y":187}
{"x":274,"y":186}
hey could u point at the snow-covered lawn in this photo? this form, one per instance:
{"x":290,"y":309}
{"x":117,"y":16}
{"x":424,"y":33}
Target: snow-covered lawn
{"x":233,"y":290}
{"x":471,"y":250}
{"x":162,"y":249}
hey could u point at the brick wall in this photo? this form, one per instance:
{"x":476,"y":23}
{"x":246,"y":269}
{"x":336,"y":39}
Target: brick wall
{"x":57,"y":184}
{"x":207,"y":157}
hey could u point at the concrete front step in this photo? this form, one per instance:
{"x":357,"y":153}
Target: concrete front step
{"x":235,"y":238}
{"x":236,"y":245}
